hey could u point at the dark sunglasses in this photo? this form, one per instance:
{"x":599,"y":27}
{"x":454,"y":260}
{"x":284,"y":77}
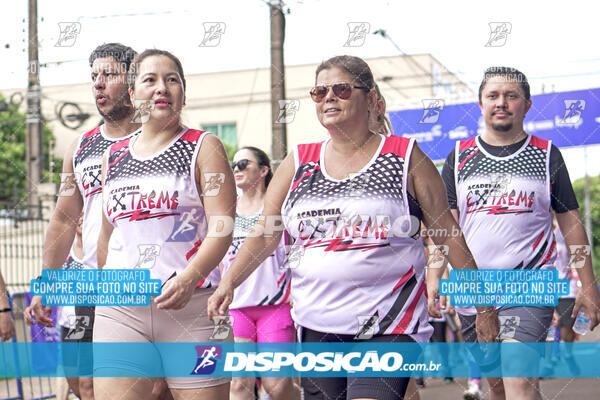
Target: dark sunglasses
{"x":240,"y":164}
{"x":341,"y":90}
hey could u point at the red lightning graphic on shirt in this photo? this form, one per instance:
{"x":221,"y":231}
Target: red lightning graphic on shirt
{"x":345,"y":244}
{"x":498,"y":210}
{"x":140,"y":215}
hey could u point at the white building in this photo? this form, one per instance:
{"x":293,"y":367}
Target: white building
{"x":235,"y":105}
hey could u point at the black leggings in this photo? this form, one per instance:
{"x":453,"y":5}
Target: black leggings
{"x":392,"y":388}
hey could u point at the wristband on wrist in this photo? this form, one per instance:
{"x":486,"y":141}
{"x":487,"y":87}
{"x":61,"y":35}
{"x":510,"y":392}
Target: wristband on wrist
{"x":3,"y":310}
{"x":486,"y":311}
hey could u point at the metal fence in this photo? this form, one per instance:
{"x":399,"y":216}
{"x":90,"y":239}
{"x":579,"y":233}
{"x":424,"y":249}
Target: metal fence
{"x":34,"y":388}
{"x":22,"y":232}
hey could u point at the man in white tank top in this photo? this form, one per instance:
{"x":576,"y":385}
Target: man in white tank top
{"x":83,"y":162}
{"x":81,"y":187}
{"x":501,"y":187}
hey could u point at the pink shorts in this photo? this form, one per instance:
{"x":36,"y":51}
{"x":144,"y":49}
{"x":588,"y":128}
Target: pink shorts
{"x":264,"y":323}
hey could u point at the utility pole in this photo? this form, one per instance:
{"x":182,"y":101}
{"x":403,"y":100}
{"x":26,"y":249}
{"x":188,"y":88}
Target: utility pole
{"x":33,"y":141}
{"x":586,"y":203}
{"x":278,"y":129}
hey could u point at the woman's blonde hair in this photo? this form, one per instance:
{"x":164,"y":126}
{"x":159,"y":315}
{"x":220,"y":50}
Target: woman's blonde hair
{"x":384,"y":125}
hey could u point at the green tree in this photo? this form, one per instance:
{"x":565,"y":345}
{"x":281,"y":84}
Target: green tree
{"x":578,"y":187}
{"x":13,"y":168}
{"x":231,"y":150}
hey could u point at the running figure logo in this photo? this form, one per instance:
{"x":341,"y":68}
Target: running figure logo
{"x":508,"y":326}
{"x":68,"y":184}
{"x":287,"y":111}
{"x":573,"y":110}
{"x":498,"y":34}
{"x":357,"y":184}
{"x":68,"y":33}
{"x":212,"y":34}
{"x":222,"y":328}
{"x":212,"y":183}
{"x":78,"y":331}
{"x":500,"y":181}
{"x":207,"y":359}
{"x":294,"y":255}
{"x":367,"y":324}
{"x":437,"y":255}
{"x":186,"y":227}
{"x":148,"y":255}
{"x":142,"y":111}
{"x":578,"y":255}
{"x":357,"y":33}
{"x":431,"y":110}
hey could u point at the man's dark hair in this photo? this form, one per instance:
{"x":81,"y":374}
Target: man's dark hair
{"x":120,"y":52}
{"x":510,"y":74}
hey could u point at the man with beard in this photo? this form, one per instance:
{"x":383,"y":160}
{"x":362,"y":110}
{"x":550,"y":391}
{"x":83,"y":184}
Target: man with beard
{"x":502,"y":187}
{"x":83,"y":165}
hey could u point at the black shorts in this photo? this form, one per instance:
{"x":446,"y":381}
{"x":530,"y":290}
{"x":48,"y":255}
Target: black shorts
{"x":77,"y":354}
{"x":392,"y":388}
{"x":564,"y":309}
{"x":439,"y":331}
{"x":84,"y":325}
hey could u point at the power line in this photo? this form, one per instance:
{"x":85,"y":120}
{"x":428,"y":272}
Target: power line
{"x":126,"y":15}
{"x":57,"y":63}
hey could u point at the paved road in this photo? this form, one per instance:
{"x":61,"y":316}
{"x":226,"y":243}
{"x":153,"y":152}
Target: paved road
{"x":551,"y":389}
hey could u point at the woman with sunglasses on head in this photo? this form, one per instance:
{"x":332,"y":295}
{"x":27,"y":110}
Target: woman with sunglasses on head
{"x":354,"y":203}
{"x":261,"y":308}
{"x":160,"y":193}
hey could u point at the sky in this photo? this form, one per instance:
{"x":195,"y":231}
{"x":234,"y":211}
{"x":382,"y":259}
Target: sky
{"x":552,"y":42}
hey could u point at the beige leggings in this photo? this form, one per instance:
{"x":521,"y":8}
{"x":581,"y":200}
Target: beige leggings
{"x":149,"y":324}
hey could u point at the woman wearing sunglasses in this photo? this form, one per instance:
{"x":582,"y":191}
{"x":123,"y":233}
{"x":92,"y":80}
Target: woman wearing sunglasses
{"x":379,"y":122}
{"x":261,"y":308}
{"x":353,"y":203}
{"x":162,"y":190}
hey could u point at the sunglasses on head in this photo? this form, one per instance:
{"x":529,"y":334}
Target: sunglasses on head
{"x":341,"y":90}
{"x":240,"y":164}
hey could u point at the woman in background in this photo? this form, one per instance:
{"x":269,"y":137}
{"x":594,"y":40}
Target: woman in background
{"x":260,"y":308}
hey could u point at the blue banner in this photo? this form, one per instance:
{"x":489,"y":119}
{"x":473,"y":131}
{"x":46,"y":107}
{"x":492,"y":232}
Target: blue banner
{"x":500,"y":287}
{"x":374,"y":359}
{"x":566,"y":118}
{"x":44,"y":362}
{"x":95,"y":287}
